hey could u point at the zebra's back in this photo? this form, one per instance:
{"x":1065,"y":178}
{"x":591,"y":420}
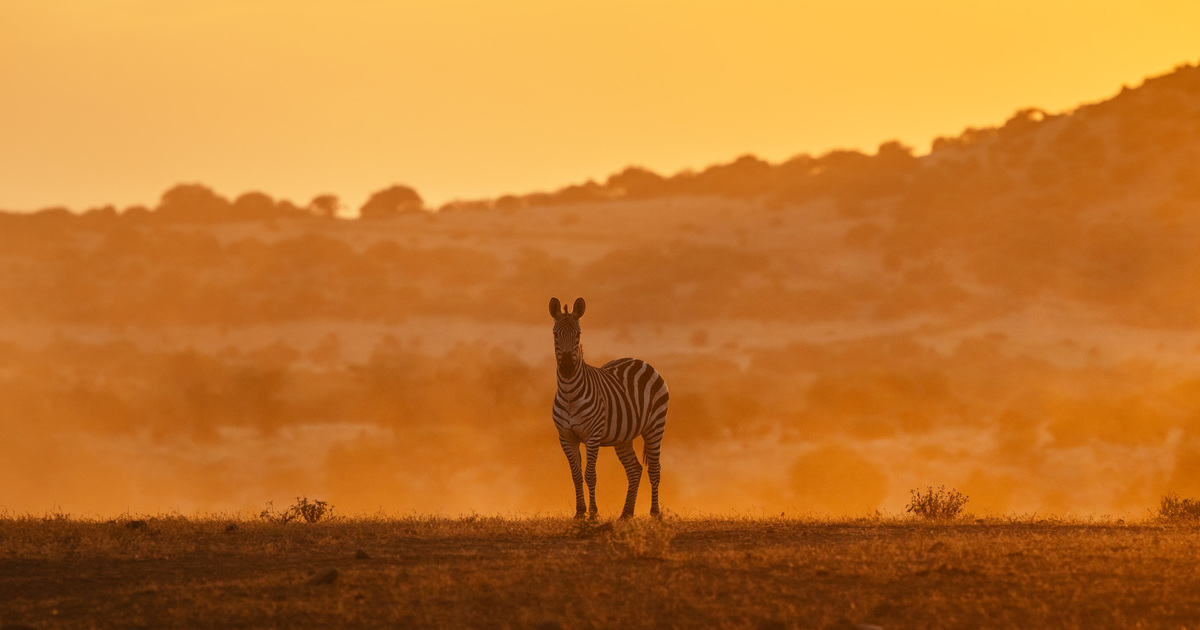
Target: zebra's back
{"x":637,"y":401}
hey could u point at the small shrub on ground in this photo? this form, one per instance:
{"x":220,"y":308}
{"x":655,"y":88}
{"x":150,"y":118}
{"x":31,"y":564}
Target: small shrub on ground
{"x":1173,"y":508}
{"x":271,"y":516}
{"x":939,"y":505}
{"x":308,"y":511}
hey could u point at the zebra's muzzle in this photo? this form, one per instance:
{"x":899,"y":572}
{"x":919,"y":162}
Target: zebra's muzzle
{"x":567,"y":365}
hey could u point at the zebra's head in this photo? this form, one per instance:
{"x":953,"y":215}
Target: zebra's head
{"x":567,"y":349}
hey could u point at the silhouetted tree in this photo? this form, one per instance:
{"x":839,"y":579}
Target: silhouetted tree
{"x":636,"y":183}
{"x":747,"y":176}
{"x":895,"y":155}
{"x":325,"y":206}
{"x":136,"y":214}
{"x":194,"y":203}
{"x":56,"y":216}
{"x":391,"y":202}
{"x":285,"y":208}
{"x":510,"y":202}
{"x":253,"y":206}
{"x":889,"y":171}
{"x":101,"y":216}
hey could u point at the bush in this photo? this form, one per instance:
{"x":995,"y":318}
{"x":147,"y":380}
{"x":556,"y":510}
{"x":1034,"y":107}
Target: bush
{"x":310,"y":512}
{"x":391,"y":202}
{"x":939,"y":505}
{"x":1173,"y":508}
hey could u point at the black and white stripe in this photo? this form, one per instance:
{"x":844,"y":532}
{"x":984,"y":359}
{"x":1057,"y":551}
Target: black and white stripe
{"x":608,"y":405}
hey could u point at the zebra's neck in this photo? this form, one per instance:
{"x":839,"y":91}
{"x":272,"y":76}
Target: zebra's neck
{"x":571,"y":388}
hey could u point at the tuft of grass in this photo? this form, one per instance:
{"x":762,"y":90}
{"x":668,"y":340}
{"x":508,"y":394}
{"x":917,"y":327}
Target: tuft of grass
{"x":586,"y":528}
{"x":936,"y":505}
{"x":1173,"y":508}
{"x":308,"y":511}
{"x":642,"y":537}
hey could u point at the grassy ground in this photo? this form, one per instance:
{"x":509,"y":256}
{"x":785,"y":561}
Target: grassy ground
{"x":557,"y":573}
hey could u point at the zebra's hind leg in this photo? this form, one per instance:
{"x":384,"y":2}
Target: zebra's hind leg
{"x":633,"y":471}
{"x":593,"y":450}
{"x":650,"y":456}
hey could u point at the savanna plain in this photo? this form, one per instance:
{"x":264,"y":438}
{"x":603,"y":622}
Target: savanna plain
{"x":1012,"y":315}
{"x":552,"y":572}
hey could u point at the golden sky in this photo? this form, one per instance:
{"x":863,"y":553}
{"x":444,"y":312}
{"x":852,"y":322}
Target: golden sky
{"x":113,"y":101}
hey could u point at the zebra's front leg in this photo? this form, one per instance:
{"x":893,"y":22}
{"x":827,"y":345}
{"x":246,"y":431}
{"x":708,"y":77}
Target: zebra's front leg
{"x":593,"y":450}
{"x":633,"y":471}
{"x":571,"y":448}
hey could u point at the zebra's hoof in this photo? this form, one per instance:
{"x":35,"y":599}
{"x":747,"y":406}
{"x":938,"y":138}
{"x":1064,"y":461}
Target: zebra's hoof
{"x":626,"y":516}
{"x":656,"y":514}
{"x":580,"y":515}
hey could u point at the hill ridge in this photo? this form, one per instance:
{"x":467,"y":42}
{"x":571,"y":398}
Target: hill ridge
{"x":1150,"y":113}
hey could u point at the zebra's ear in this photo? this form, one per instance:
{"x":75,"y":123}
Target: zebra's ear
{"x":555,"y":308}
{"x":580,"y":305}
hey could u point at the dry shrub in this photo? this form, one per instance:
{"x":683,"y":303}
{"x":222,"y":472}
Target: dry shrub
{"x":1173,"y":508}
{"x":939,"y":505}
{"x":308,"y":511}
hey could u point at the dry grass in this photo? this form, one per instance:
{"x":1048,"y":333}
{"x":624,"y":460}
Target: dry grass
{"x":1173,"y":508}
{"x":435,"y":572}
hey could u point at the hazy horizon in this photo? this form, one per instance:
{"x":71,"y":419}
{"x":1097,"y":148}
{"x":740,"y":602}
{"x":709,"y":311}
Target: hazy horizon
{"x":1013,"y":313}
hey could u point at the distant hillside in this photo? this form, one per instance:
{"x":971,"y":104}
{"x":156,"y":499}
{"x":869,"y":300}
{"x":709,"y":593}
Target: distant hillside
{"x":1099,"y":205}
{"x":1095,"y":151}
{"x":1015,"y":313}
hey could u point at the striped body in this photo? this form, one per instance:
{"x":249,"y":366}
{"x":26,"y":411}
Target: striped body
{"x":606,"y":406}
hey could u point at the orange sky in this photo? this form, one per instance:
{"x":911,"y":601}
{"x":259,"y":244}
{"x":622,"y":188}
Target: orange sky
{"x":113,"y":101}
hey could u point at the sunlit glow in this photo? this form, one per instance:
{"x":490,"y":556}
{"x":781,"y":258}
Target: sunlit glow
{"x":112,"y":102}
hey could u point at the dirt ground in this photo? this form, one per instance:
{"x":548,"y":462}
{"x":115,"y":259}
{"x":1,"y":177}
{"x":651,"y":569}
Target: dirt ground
{"x":486,"y":572}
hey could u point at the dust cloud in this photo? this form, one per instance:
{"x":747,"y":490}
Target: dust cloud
{"x":1013,"y":314}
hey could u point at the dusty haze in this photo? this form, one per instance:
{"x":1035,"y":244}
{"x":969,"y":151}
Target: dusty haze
{"x":1013,"y":314}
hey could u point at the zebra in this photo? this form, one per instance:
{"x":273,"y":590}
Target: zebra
{"x":605,"y":406}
